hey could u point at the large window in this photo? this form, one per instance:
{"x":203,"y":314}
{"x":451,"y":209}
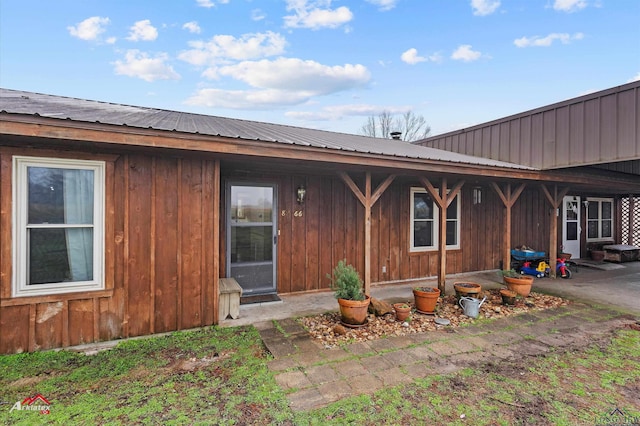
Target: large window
{"x":58,"y":225}
{"x":599,"y":219}
{"x":424,"y":222}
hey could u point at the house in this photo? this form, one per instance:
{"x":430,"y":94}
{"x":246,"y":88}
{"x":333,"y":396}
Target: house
{"x":596,"y":134}
{"x":119,"y":221}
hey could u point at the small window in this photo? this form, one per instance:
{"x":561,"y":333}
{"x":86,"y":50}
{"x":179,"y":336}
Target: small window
{"x":424,"y":222}
{"x":58,"y":225}
{"x":599,"y":219}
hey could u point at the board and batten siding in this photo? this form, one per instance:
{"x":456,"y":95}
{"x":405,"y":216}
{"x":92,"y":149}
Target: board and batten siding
{"x":331,"y":228}
{"x":597,"y":128}
{"x":159,"y":256}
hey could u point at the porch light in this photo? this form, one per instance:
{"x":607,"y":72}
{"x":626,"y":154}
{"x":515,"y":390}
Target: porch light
{"x":477,"y":195}
{"x":301,"y":192}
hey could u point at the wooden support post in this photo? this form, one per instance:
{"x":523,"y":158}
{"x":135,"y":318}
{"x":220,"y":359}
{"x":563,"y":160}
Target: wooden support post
{"x":508,"y":199}
{"x":555,"y":200}
{"x":443,"y":200}
{"x":368,"y":200}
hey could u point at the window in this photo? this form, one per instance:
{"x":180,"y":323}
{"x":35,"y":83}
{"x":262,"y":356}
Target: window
{"x":58,"y":225}
{"x":599,"y":219}
{"x":424,"y":222}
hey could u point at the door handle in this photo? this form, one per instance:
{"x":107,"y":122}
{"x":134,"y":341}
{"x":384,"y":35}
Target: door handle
{"x":275,"y":240}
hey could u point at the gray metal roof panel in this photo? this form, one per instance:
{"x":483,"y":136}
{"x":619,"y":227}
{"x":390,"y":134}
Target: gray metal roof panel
{"x":28,"y":103}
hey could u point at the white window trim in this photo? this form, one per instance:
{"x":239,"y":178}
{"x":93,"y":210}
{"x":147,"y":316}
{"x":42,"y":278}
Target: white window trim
{"x":436,"y":223}
{"x":20,"y":188}
{"x":600,"y":201}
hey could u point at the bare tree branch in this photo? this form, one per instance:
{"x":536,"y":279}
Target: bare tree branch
{"x":413,"y":127}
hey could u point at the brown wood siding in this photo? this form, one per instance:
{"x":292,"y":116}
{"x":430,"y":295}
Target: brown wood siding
{"x":160,"y":265}
{"x":598,"y":128}
{"x":331,"y":228}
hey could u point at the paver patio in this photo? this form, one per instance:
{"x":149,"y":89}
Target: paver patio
{"x":314,"y":376}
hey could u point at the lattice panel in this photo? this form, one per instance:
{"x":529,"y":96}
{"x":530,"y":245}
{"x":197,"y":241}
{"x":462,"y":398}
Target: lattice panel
{"x":634,"y":231}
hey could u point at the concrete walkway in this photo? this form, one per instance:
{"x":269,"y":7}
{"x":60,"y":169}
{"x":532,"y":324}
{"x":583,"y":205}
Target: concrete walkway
{"x":618,"y":288}
{"x":314,"y":376}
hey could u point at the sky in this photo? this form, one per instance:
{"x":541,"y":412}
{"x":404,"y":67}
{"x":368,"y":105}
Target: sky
{"x":324,"y":64}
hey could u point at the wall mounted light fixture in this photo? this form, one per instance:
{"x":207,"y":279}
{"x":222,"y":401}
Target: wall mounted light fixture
{"x":300,"y":193}
{"x":477,"y":195}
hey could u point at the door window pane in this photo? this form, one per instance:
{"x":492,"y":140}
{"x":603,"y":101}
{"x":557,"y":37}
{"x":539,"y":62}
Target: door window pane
{"x":572,"y":210}
{"x":572,"y":231}
{"x":251,"y":244}
{"x":251,"y":204}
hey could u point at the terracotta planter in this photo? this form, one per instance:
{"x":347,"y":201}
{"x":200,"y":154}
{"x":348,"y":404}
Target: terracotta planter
{"x":354,"y":312}
{"x":402,"y":311}
{"x":565,"y":256}
{"x":467,"y":289}
{"x":426,"y":300}
{"x":508,"y":296}
{"x":521,"y":285}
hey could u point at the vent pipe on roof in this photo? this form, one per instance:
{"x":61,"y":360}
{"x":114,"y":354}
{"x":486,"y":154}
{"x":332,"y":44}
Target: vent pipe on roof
{"x":396,"y":135}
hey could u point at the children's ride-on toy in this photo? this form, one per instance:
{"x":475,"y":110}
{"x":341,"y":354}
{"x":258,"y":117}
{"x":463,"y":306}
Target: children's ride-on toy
{"x":543,"y":269}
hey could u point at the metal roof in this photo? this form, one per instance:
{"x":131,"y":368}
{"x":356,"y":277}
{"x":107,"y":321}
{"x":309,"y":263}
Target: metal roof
{"x":81,"y":110}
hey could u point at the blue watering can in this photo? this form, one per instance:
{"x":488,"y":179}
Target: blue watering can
{"x":471,"y":306}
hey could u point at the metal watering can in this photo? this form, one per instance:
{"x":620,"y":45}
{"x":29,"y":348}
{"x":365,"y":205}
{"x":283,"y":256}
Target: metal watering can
{"x":471,"y":306}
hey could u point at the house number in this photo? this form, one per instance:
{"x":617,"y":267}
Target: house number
{"x":296,"y":213}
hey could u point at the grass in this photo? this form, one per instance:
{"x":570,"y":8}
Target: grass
{"x":220,"y":375}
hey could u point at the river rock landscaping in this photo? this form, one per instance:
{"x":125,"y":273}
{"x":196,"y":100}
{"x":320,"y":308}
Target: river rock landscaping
{"x":327,"y":330}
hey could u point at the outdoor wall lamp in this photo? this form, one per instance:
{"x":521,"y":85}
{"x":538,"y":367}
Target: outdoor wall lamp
{"x":477,"y":195}
{"x":301,"y":192}
{"x":586,"y":204}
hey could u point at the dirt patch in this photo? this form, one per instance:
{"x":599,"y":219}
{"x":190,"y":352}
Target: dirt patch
{"x":27,"y":381}
{"x":322,"y":327}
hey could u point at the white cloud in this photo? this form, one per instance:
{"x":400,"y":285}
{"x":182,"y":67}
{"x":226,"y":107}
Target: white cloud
{"x":225,"y":47}
{"x":143,"y":30}
{"x":246,"y":99}
{"x":192,"y":27}
{"x":111,"y":40}
{"x":294,"y":74}
{"x":257,"y":15}
{"x":384,"y":5}
{"x":569,"y":5}
{"x":316,"y":14}
{"x":339,"y":111}
{"x":89,"y":29}
{"x":411,"y":57}
{"x":636,"y":78}
{"x":484,"y":7}
{"x":537,"y":41}
{"x":284,"y":81}
{"x":139,"y":64}
{"x":465,"y":53}
{"x":209,"y":4}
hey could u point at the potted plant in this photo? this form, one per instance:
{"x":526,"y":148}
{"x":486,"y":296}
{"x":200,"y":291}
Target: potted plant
{"x":508,"y":296}
{"x":347,"y":286}
{"x":519,"y":283}
{"x":467,"y":289}
{"x":403,"y":310}
{"x":426,"y":299}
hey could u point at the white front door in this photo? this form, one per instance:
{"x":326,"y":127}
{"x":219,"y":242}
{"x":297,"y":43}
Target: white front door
{"x":571,"y":226}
